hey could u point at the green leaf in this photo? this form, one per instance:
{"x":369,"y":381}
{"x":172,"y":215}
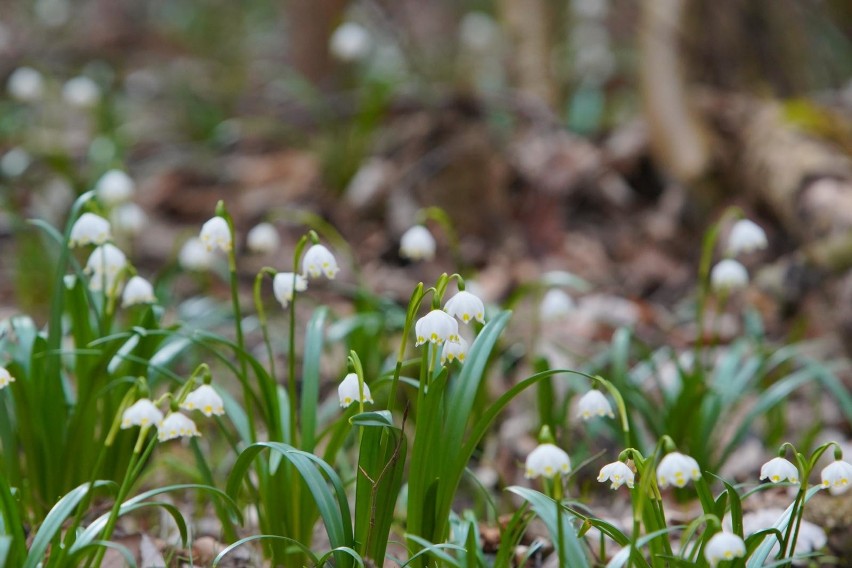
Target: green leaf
{"x":230,"y":548}
{"x":332,"y":505}
{"x":574,"y":554}
{"x":758,"y":558}
{"x":52,"y":524}
{"x":311,"y":377}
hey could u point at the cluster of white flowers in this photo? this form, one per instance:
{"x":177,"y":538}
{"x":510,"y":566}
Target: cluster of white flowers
{"x":440,"y":328}
{"x":144,"y":413}
{"x":729,"y":275}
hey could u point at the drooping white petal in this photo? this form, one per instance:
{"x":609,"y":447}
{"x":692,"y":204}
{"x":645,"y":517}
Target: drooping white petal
{"x":137,"y":291}
{"x":594,"y":403}
{"x":779,"y":469}
{"x":728,"y":275}
{"x":89,"y":229}
{"x":836,"y":477}
{"x":205,"y":399}
{"x":215,"y":234}
{"x":349,"y":391}
{"x":350,"y":42}
{"x":26,"y":84}
{"x":5,"y":377}
{"x":547,"y":460}
{"x":436,"y":327}
{"x":677,"y":469}
{"x":417,"y":243}
{"x":195,"y":256}
{"x":453,"y":350}
{"x":114,"y":187}
{"x":143,"y":412}
{"x":105,"y":265}
{"x":746,"y":236}
{"x":81,"y":92}
{"x":263,"y":239}
{"x":282,"y":286}
{"x":466,"y":307}
{"x":319,"y":261}
{"x":618,"y":473}
{"x":555,"y":305}
{"x":176,"y":425}
{"x":723,"y":546}
{"x":128,"y":218}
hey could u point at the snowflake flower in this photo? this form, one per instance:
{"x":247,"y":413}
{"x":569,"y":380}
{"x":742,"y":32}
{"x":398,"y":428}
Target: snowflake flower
{"x":350,"y":42}
{"x":547,"y":460}
{"x":318,"y":260}
{"x":143,"y":412}
{"x":453,"y":350}
{"x":89,"y":229}
{"x":114,"y":187}
{"x":263,"y":239}
{"x":779,"y":469}
{"x":176,"y":425}
{"x":282,"y":286}
{"x":466,"y":307}
{"x":618,"y":473}
{"x":723,"y":546}
{"x":138,"y":291}
{"x":349,"y":391}
{"x":205,"y":399}
{"x":555,"y":305}
{"x":436,"y":327}
{"x":81,"y":92}
{"x":677,"y":469}
{"x":5,"y":377}
{"x":195,"y":256}
{"x":26,"y":84}
{"x":835,"y":476}
{"x":746,"y":236}
{"x":417,"y":243}
{"x":215,"y":234}
{"x":128,"y":218}
{"x":728,"y":274}
{"x":594,"y":403}
{"x":105,"y":265}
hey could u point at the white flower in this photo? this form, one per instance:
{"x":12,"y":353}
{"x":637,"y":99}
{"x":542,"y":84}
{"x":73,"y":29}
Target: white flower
{"x":215,"y":234}
{"x":89,"y":229}
{"x":555,"y":305}
{"x":466,"y":307}
{"x":138,"y":291}
{"x":195,"y":256}
{"x":176,"y":425}
{"x":350,"y":42}
{"x":835,"y":476}
{"x":453,"y":350}
{"x":26,"y":84}
{"x":723,"y":546}
{"x":282,"y":286}
{"x":594,"y":403}
{"x":128,"y":218}
{"x":436,"y":327}
{"x":677,"y":469}
{"x":5,"y":378}
{"x":319,"y":260}
{"x":618,"y":473}
{"x":263,"y":239}
{"x":15,"y":162}
{"x":746,"y":236}
{"x":205,"y":399}
{"x":81,"y":92}
{"x":143,"y":412}
{"x":547,"y":460}
{"x":728,"y":274}
{"x":779,"y":469}
{"x":114,"y":187}
{"x":417,"y":243}
{"x":105,"y":265}
{"x":348,"y":391}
